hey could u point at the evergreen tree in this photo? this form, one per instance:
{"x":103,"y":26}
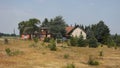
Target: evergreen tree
{"x":81,"y":42}
{"x":116,"y":39}
{"x":101,"y":32}
{"x":45,"y":23}
{"x":93,"y":42}
{"x":110,"y":42}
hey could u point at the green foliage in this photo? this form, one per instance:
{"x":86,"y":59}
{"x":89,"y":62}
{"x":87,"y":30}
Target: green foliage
{"x":70,"y":66}
{"x":56,"y":26}
{"x":5,"y":41}
{"x":29,"y":27}
{"x":110,"y":42}
{"x":93,"y":42}
{"x":77,"y":41}
{"x":68,"y":43}
{"x":52,"y":45}
{"x":8,"y":51}
{"x":12,"y":53}
{"x":59,"y":40}
{"x":45,"y":23}
{"x":73,"y":41}
{"x":81,"y":42}
{"x":100,"y":31}
{"x":66,"y":56}
{"x":47,"y":39}
{"x":92,"y":61}
{"x":36,"y":40}
{"x":116,"y":39}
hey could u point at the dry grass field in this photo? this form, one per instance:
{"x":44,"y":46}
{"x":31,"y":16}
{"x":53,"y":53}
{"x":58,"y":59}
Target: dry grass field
{"x":42,"y":57}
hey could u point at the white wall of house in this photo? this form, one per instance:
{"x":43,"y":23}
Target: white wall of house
{"x":78,"y":32}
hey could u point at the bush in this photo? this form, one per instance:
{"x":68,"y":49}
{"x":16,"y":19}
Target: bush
{"x":93,"y":42}
{"x":115,"y":47}
{"x":6,"y":41}
{"x":52,"y":45}
{"x":47,"y":39}
{"x":36,"y":40}
{"x":68,"y":43}
{"x":73,"y":41}
{"x":66,"y":56}
{"x":59,"y":40}
{"x":12,"y":53}
{"x":110,"y":43}
{"x":101,"y":53}
{"x":82,"y":42}
{"x":70,"y":66}
{"x":8,"y":51}
{"x":92,"y":61}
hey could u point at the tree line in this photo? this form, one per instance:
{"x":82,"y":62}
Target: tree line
{"x":6,"y":34}
{"x":96,"y":33}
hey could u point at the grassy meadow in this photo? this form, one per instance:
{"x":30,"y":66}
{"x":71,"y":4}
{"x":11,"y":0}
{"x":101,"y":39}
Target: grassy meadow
{"x":26,"y":55}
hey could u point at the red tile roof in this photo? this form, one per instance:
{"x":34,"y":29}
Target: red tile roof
{"x":68,"y":29}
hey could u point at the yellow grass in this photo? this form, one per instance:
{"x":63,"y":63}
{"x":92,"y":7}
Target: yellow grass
{"x":42,"y":57}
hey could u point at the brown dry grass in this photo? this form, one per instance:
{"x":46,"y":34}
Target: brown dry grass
{"x":42,"y":57}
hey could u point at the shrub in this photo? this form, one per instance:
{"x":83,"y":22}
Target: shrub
{"x":81,"y":42}
{"x":68,"y":43}
{"x":66,"y":56}
{"x":73,"y":41}
{"x":36,"y":40}
{"x":70,"y":66}
{"x":47,"y":39}
{"x":101,"y":53}
{"x":52,"y":45}
{"x":115,"y":47}
{"x":93,"y":42}
{"x":111,"y":43}
{"x":59,"y":40}
{"x":6,"y":41}
{"x":8,"y":51}
{"x":78,"y":41}
{"x":92,"y":61}
{"x":12,"y":53}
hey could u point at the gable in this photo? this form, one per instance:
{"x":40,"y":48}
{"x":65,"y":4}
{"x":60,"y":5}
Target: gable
{"x":77,"y":32}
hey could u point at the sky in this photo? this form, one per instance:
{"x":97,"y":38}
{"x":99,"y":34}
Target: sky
{"x":84,"y":12}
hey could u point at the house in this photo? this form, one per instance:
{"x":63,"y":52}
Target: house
{"x":25,"y":36}
{"x":44,"y":33}
{"x":75,"y":32}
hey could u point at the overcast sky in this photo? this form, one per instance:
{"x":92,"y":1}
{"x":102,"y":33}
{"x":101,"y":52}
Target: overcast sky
{"x":84,"y":12}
